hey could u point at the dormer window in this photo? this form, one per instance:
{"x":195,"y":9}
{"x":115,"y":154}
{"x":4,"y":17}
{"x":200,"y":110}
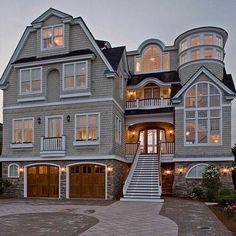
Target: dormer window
{"x":52,"y":37}
{"x":152,"y":60}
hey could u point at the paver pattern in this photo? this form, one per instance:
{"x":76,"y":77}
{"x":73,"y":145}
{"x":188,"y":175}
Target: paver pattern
{"x":193,"y":218}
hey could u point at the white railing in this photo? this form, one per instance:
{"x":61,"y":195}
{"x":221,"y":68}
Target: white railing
{"x":132,"y":169}
{"x":51,"y":146}
{"x":148,"y":103}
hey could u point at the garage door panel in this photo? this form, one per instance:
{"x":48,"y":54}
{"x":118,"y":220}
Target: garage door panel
{"x":43,"y":181}
{"x":87,"y":182}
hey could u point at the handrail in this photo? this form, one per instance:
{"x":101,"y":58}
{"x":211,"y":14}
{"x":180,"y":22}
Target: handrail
{"x":132,"y":169}
{"x":159,"y":167}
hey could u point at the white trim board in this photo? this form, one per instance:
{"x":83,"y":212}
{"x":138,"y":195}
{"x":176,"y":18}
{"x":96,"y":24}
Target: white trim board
{"x":90,"y":157}
{"x":203,"y":159}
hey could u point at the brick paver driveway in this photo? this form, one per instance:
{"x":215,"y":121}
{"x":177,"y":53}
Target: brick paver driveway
{"x":61,"y":217}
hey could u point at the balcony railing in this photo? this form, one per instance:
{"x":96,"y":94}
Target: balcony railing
{"x":148,"y":103}
{"x":52,"y":146}
{"x":166,"y":148}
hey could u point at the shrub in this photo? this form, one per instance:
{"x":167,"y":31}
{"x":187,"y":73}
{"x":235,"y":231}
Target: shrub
{"x":197,"y":193}
{"x":211,"y":181}
{"x":4,"y":184}
{"x":227,"y":196}
{"x":230,"y":210}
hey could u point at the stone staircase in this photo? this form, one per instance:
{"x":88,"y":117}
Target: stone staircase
{"x":143,"y":182}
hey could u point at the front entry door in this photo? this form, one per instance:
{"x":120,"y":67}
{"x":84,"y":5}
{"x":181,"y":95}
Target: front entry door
{"x":149,"y":140}
{"x":54,"y":127}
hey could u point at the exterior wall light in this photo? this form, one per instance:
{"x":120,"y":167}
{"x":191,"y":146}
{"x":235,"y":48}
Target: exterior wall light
{"x":109,"y":169}
{"x":225,"y":170}
{"x":21,"y":169}
{"x":167,"y":172}
{"x":180,"y":170}
{"x":63,"y":169}
{"x":68,"y":118}
{"x":39,"y":120}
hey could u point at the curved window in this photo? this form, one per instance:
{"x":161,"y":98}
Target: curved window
{"x":203,"y":114}
{"x":13,"y":171}
{"x":195,"y":172}
{"x":152,"y":59}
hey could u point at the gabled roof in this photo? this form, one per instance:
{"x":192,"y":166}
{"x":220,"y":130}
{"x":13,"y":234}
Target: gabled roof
{"x":48,"y":13}
{"x":203,"y":69}
{"x":114,"y":56}
{"x":165,"y":77}
{"x":72,"y":53}
{"x":228,"y":81}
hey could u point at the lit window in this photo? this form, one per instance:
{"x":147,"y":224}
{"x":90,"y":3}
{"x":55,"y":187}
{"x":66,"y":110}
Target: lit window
{"x":87,"y":127}
{"x":118,"y":129}
{"x":219,"y":55}
{"x":165,"y":61}
{"x":219,"y":41}
{"x":195,"y":41}
{"x":183,"y":58}
{"x":208,"y":39}
{"x":138,"y":64}
{"x":151,"y":59}
{"x":52,"y":37}
{"x":208,"y":53}
{"x":75,"y":75}
{"x":13,"y":171}
{"x":202,"y":114}
{"x":184,"y":45}
{"x":23,"y":131}
{"x":30,"y":80}
{"x":195,"y":54}
{"x":196,"y":171}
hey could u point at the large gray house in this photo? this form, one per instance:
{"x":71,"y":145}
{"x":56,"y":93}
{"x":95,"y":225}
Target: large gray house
{"x":83,"y":119}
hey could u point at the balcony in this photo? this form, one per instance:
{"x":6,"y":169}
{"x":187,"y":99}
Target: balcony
{"x":149,"y":103}
{"x":52,"y":146}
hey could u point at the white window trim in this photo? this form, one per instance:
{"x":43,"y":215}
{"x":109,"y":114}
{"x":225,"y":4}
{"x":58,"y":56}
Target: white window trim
{"x":63,"y":35}
{"x":142,"y":61}
{"x":208,"y":108}
{"x":8,"y":171}
{"x":87,"y":142}
{"x":63,"y":78}
{"x":22,"y":145}
{"x":118,"y":136}
{"x":46,"y":123}
{"x":31,"y":92}
{"x":195,"y":166}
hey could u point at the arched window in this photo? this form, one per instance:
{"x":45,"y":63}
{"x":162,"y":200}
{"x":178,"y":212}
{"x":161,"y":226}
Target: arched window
{"x":13,"y":171}
{"x":152,"y":59}
{"x":196,"y":171}
{"x":203,"y":114}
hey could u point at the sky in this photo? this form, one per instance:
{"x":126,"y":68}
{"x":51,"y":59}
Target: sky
{"x":125,"y":22}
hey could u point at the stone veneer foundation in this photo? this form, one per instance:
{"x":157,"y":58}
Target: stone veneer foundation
{"x":115,"y":178}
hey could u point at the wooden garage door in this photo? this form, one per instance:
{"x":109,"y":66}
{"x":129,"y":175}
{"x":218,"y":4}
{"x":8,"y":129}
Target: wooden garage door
{"x":87,"y":181}
{"x":43,"y":181}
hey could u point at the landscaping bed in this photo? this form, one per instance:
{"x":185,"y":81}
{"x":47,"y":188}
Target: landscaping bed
{"x":230,"y":223}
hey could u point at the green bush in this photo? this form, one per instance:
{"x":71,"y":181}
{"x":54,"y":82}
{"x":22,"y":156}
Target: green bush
{"x":4,"y":184}
{"x":211,"y":181}
{"x":227,"y":196}
{"x":197,"y":193}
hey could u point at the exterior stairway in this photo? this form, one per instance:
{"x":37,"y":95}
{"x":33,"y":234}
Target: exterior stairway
{"x":143,"y":183}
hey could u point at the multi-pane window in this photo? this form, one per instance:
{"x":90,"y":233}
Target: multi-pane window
{"x":30,"y":80}
{"x":118,"y":129}
{"x":195,"y":41}
{"x":208,"y":39}
{"x":195,"y":54}
{"x":152,"y":59}
{"x":203,"y":114}
{"x":208,"y":53}
{"x":183,"y":58}
{"x":75,"y":75}
{"x":87,"y":127}
{"x":219,"y":41}
{"x":184,"y":45}
{"x":219,"y":55}
{"x":23,"y":130}
{"x":13,"y":171}
{"x":196,"y":171}
{"x":52,"y":37}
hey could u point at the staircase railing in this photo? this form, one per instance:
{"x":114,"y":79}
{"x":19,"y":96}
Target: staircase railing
{"x":159,"y":168}
{"x":132,"y":169}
